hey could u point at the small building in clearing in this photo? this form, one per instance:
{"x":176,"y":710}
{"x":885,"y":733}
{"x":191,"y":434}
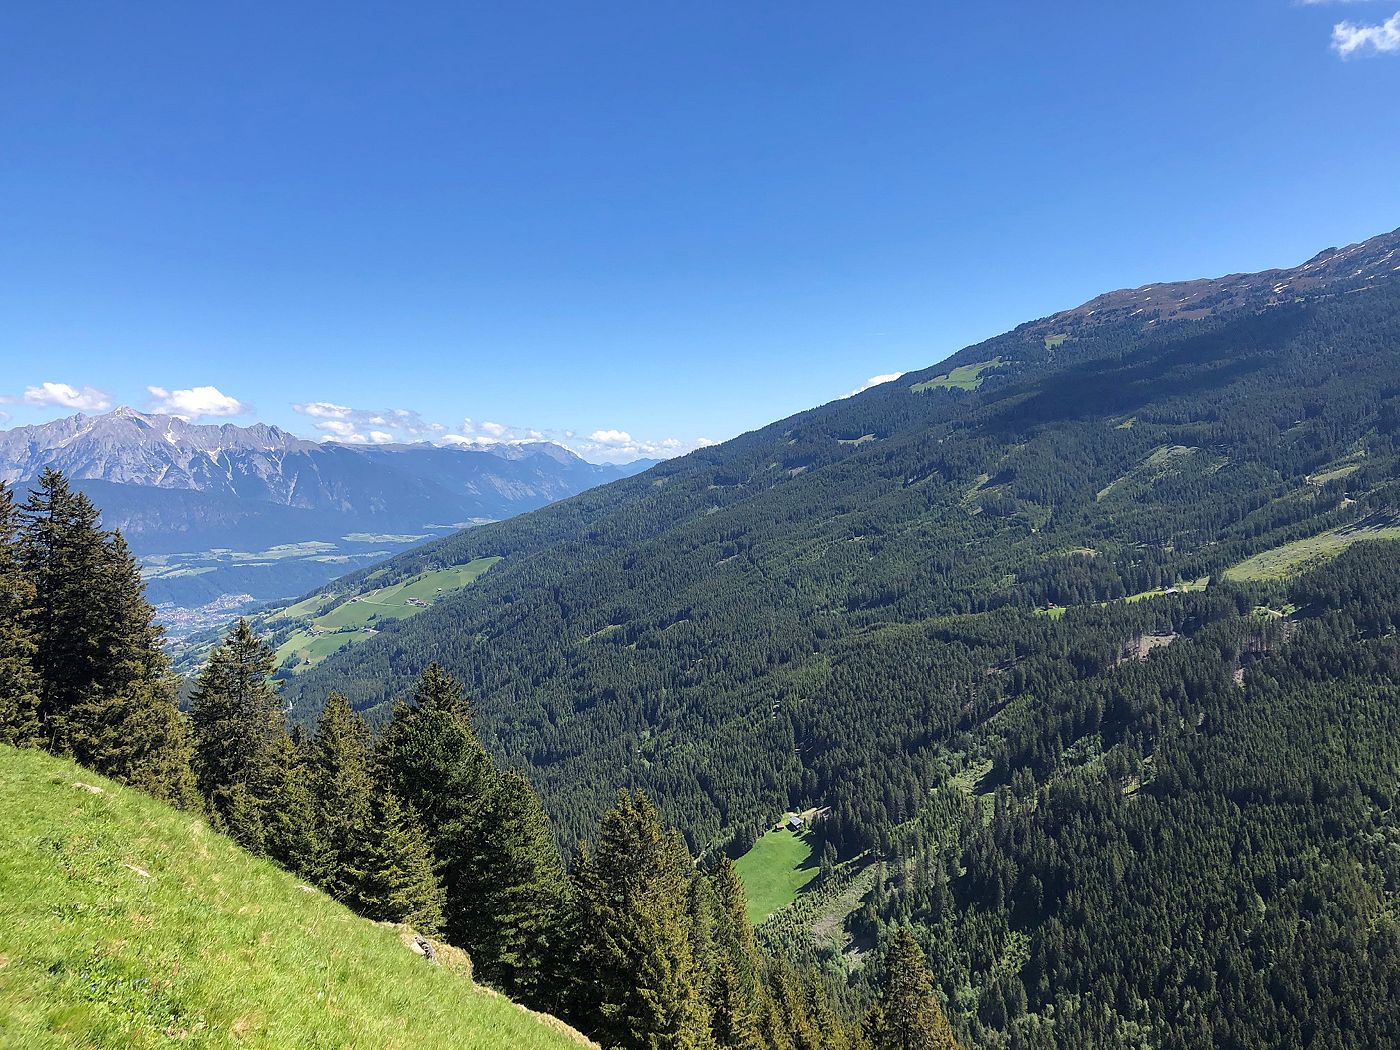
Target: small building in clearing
{"x":795,"y":823}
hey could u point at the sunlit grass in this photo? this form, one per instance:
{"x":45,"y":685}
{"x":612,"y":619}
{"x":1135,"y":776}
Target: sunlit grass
{"x":124,"y":923}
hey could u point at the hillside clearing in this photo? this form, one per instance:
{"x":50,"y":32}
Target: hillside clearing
{"x":964,"y":377}
{"x":776,"y":871}
{"x":326,"y":627}
{"x":1289,"y":560}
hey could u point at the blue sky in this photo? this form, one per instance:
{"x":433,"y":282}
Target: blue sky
{"x":636,"y":226}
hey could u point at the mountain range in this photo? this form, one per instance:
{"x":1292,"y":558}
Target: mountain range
{"x":222,"y":511}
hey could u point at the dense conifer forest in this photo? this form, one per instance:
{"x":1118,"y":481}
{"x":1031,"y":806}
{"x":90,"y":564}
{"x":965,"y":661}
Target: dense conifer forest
{"x":1124,"y":789}
{"x":702,"y":630}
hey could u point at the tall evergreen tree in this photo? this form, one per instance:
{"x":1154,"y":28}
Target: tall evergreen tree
{"x":641,"y":985}
{"x":342,"y":789}
{"x":129,"y":725}
{"x":508,"y":887}
{"x":432,"y":758}
{"x":63,"y":554}
{"x":801,"y":1015}
{"x":19,"y":682}
{"x":391,"y":877}
{"x":238,"y":719}
{"x":494,"y":852}
{"x":739,"y":1001}
{"x":291,"y":825}
{"x":908,"y":1015}
{"x":106,"y":694}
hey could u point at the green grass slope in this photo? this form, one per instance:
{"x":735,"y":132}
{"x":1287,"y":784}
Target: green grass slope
{"x":778,"y":868}
{"x":124,"y":923}
{"x":340,"y":616}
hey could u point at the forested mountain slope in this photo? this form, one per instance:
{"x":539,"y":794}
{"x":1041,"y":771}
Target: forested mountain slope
{"x":719,"y":629}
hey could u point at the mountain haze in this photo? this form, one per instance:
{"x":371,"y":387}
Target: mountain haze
{"x":288,"y":513}
{"x":398,"y":484}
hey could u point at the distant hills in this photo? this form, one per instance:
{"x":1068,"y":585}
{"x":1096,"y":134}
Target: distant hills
{"x":219,"y":512}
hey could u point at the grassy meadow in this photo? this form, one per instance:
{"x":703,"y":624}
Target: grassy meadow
{"x":964,"y":377}
{"x":330,"y":624}
{"x":124,"y":923}
{"x":777,"y":870}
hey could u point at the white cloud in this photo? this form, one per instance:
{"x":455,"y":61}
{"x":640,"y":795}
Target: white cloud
{"x":84,"y":399}
{"x":4,"y":417}
{"x":1349,"y":38}
{"x":323,"y":410}
{"x":195,"y":402}
{"x":618,"y":446}
{"x":360,"y":426}
{"x":611,"y":437}
{"x":888,"y":377}
{"x":379,"y":426}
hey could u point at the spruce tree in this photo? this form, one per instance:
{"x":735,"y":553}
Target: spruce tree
{"x":495,"y":853}
{"x":106,"y":693}
{"x":833,"y":1032}
{"x":130,"y":726}
{"x":292,"y":833}
{"x":739,"y":1002}
{"x":63,"y":555}
{"x":432,"y":758}
{"x":390,"y":869}
{"x":908,"y":1015}
{"x":342,"y":789}
{"x":640,"y":985}
{"x":19,"y":682}
{"x":507,"y":881}
{"x":792,"y":1021}
{"x":237,"y":718}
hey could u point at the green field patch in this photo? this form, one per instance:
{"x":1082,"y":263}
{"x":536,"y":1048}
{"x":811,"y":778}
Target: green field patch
{"x":307,"y":607}
{"x":1284,"y":562}
{"x":384,"y":537}
{"x":778,"y":868}
{"x":162,"y":573}
{"x":1162,"y":460}
{"x":283,"y":551}
{"x":303,"y":649}
{"x":964,"y":377}
{"x":328,"y":623}
{"x":1054,"y":342}
{"x":603,"y":633}
{"x":347,"y":558}
{"x":967,"y":780}
{"x":402,"y":600}
{"x":1179,"y":587}
{"x":1323,"y":477}
{"x":863,"y":439}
